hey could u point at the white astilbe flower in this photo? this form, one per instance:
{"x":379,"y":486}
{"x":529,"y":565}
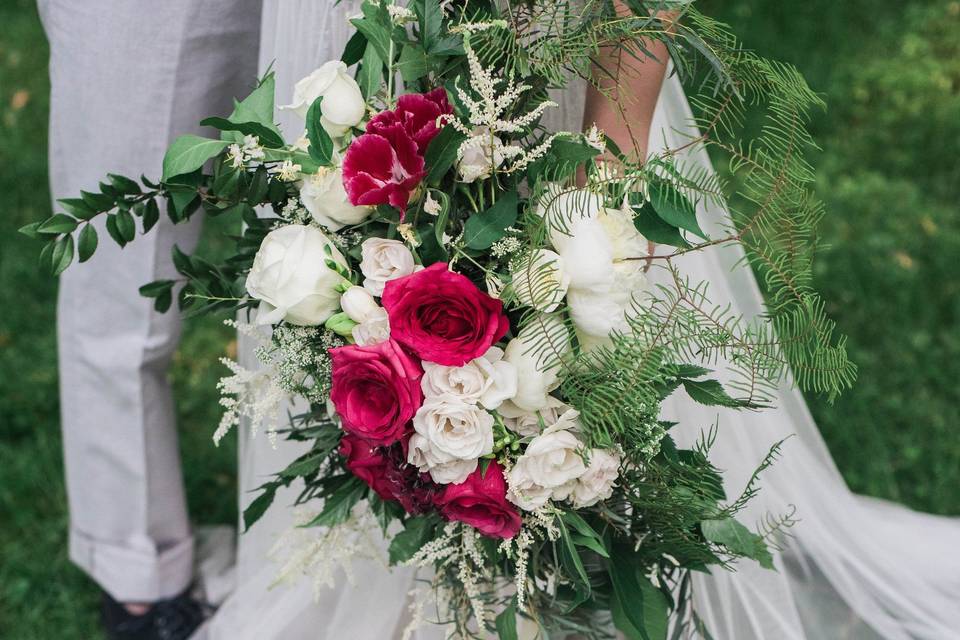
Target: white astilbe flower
{"x":252,"y":394}
{"x":319,"y":552}
{"x":487,"y":117}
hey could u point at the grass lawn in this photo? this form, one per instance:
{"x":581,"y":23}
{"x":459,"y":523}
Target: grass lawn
{"x":889,"y":174}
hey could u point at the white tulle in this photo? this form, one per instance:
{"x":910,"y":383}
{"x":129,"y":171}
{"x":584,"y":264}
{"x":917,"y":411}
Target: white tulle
{"x":855,"y":568}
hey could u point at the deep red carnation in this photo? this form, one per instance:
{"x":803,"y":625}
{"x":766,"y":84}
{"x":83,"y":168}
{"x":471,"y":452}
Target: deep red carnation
{"x":383,"y":168}
{"x":481,"y":502}
{"x":443,"y":317}
{"x":386,"y":471}
{"x":417,"y":113}
{"x":376,"y":390}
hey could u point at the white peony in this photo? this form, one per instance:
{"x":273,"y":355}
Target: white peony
{"x":291,"y":278}
{"x":549,"y":467}
{"x":488,"y":380}
{"x":343,"y":105}
{"x":455,"y":428}
{"x":443,"y":469}
{"x":531,"y":423}
{"x":536,"y":353}
{"x":541,"y":281}
{"x":324,"y":197}
{"x":384,"y":260}
{"x":597,"y":481}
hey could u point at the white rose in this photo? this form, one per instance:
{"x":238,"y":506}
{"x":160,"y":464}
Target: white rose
{"x":531,"y":423}
{"x":291,"y":279}
{"x":551,"y":463}
{"x":324,"y":197}
{"x":541,"y":281}
{"x":443,"y":469}
{"x":455,"y":428}
{"x":374,"y":330}
{"x":343,"y":105}
{"x":488,"y":380}
{"x":536,"y":353}
{"x":597,"y":481}
{"x":357,"y":303}
{"x":384,"y":260}
{"x":597,"y":313}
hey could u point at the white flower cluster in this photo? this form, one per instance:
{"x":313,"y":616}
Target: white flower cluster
{"x":454,"y":426}
{"x":249,"y":152}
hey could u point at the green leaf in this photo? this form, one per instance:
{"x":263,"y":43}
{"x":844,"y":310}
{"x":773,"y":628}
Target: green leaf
{"x":30,"y":230}
{"x":346,"y":491}
{"x":483,"y":229}
{"x":570,"y":558}
{"x":637,"y":601}
{"x":258,"y":106}
{"x":87,"y":242}
{"x":507,"y":622}
{"x":712,"y":394}
{"x":413,"y":63}
{"x":114,"y":231}
{"x":441,"y":154}
{"x":151,"y":214}
{"x":124,"y":185}
{"x":79,"y":208}
{"x":738,"y":539}
{"x":156,"y":288}
{"x":188,"y":153}
{"x":260,"y":504}
{"x":673,"y":207}
{"x":654,"y":229}
{"x":268,"y":137}
{"x":416,"y":533}
{"x":355,"y":49}
{"x":126,"y":225}
{"x":62,"y":254}
{"x":370,"y":76}
{"x":430,"y":18}
{"x":162,"y":302}
{"x":97,"y":201}
{"x":587,"y":537}
{"x":60,"y":223}
{"x":376,"y":34}
{"x":440,"y":225}
{"x":321,"y":146}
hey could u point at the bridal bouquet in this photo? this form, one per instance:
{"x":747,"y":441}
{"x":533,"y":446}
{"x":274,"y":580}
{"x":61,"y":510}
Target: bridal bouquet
{"x":481,"y":317}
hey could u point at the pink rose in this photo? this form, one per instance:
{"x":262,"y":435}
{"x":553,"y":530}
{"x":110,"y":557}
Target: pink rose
{"x":367,"y":462}
{"x":382,"y":168}
{"x":443,"y":317}
{"x":481,"y":502}
{"x":376,"y":390}
{"x":417,"y":113}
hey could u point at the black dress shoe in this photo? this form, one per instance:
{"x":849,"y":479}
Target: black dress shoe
{"x":173,"y":619}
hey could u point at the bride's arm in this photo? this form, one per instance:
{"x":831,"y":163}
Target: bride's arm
{"x":630,"y":85}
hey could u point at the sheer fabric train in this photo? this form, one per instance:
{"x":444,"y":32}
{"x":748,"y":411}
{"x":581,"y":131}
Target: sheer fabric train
{"x":856,"y":568}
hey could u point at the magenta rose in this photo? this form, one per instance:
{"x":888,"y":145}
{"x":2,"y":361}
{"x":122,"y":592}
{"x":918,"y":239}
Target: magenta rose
{"x":376,"y":390}
{"x":443,"y":317}
{"x":367,"y":462}
{"x":417,"y":113}
{"x":383,"y":168}
{"x":481,"y":502}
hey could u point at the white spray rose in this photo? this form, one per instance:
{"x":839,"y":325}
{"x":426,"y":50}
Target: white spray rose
{"x":488,"y":380}
{"x":343,"y":105}
{"x":384,"y":260}
{"x":443,"y":469}
{"x":455,"y":428}
{"x":531,"y":423}
{"x":550,"y":465}
{"x":536,"y":353}
{"x":291,"y":279}
{"x":373,"y":325}
{"x":479,"y":155}
{"x":541,"y":281}
{"x":357,"y":303}
{"x":324,"y":197}
{"x":597,"y":481}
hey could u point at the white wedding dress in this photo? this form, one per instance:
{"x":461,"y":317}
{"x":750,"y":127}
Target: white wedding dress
{"x":856,"y":568}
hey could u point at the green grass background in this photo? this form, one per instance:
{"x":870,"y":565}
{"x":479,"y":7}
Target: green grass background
{"x":889,"y":173}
